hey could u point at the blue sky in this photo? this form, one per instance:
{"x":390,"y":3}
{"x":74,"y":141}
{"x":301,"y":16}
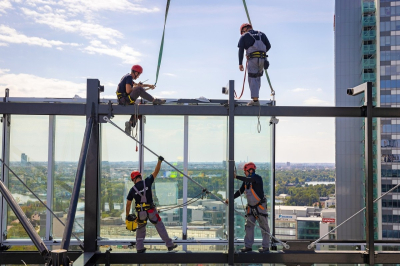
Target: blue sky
{"x":49,"y":48}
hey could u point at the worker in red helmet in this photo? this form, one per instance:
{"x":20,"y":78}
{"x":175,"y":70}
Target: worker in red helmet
{"x":256,"y":209}
{"x":128,"y":91}
{"x":256,"y":45}
{"x":146,"y":209}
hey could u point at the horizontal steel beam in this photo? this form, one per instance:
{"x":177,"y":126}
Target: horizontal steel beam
{"x":29,"y":257}
{"x":42,"y":108}
{"x":21,"y":108}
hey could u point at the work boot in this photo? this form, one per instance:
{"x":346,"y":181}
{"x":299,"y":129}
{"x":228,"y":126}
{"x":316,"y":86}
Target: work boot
{"x":172,"y":247}
{"x":262,"y":250}
{"x":128,"y":128}
{"x":158,"y":101}
{"x":141,"y":250}
{"x":245,"y":249}
{"x":253,"y":103}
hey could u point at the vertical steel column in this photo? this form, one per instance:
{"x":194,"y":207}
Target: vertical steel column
{"x":50,"y":175}
{"x":185,"y":171}
{"x":369,"y":178}
{"x":273,"y":142}
{"x":231,"y":135}
{"x":141,"y":139}
{"x":92,"y":182}
{"x":5,"y":155}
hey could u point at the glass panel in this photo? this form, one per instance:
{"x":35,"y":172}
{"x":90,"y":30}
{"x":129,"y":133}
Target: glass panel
{"x":69,"y":133}
{"x":28,"y":159}
{"x":207,"y":165}
{"x":251,"y":146}
{"x":164,"y":136}
{"x":118,"y":159}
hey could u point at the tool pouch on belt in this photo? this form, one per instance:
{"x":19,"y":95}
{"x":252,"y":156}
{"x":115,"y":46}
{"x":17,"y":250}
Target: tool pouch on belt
{"x":131,"y":222}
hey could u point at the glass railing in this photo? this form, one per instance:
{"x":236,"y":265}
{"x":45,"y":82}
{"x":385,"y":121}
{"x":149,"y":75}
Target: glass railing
{"x":368,"y":7}
{"x":369,"y":49}
{"x":369,"y":77}
{"x":368,"y":21}
{"x":369,"y":35}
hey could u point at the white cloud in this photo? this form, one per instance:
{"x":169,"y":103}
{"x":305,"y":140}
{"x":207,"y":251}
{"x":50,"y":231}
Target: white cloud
{"x":167,"y":92}
{"x":126,"y":53}
{"x":169,"y":74}
{"x":319,"y":89}
{"x":61,"y":21}
{"x":10,"y":35}
{"x":26,"y":85}
{"x":4,"y":4}
{"x":300,"y":89}
{"x":315,"y":101}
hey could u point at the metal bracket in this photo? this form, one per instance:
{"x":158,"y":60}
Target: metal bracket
{"x":110,"y":114}
{"x":4,"y":248}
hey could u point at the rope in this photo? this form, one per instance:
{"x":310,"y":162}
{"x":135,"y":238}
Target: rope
{"x":162,"y":42}
{"x":319,"y":239}
{"x":266,"y":73}
{"x":244,"y":81}
{"x":105,"y":118}
{"x":33,"y":193}
{"x":193,"y":200}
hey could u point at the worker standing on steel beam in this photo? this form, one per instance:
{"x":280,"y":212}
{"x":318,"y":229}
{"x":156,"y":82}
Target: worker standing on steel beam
{"x":128,"y":91}
{"x":256,"y":209}
{"x":256,"y":45}
{"x":146,"y":209}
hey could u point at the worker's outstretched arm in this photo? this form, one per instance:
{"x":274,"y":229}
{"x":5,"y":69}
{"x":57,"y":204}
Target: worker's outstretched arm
{"x":158,"y":167}
{"x":128,"y":207}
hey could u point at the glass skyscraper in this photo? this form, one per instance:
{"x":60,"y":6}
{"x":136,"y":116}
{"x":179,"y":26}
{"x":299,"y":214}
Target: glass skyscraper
{"x":367,"y":48}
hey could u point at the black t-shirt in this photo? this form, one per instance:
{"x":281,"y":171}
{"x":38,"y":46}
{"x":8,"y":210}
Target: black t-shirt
{"x":247,"y":40}
{"x":256,"y":182}
{"x":127,"y":79}
{"x":139,"y":186}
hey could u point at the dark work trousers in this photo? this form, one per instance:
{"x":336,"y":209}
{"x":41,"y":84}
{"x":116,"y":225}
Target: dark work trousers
{"x":135,"y":93}
{"x":160,"y":227}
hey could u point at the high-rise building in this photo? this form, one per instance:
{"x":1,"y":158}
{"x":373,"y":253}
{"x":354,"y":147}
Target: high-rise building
{"x":367,"y":48}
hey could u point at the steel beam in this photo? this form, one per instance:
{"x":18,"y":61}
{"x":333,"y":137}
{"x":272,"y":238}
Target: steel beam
{"x":185,"y":171}
{"x":5,"y":155}
{"x":231,"y":141}
{"x":50,"y":175}
{"x":42,"y":108}
{"x":369,"y":230}
{"x":77,"y":185}
{"x":92,"y":184}
{"x":29,"y":257}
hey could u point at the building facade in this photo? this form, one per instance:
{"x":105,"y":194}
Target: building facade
{"x":367,"y":48}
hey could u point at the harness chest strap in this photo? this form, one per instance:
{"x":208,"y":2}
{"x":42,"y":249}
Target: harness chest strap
{"x":143,"y":206}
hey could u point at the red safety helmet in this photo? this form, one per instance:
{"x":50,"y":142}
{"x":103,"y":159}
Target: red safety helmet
{"x":249,"y":166}
{"x":135,"y":174}
{"x":244,"y":25}
{"x":137,"y":68}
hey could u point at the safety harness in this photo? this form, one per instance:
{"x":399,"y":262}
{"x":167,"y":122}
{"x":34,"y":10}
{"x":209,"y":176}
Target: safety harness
{"x":126,"y":96}
{"x":252,"y":209}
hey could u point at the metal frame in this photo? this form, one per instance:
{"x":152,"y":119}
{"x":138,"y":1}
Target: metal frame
{"x":229,"y":108}
{"x":50,"y":176}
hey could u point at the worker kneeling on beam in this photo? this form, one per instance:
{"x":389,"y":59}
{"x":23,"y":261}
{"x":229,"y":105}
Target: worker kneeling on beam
{"x":256,"y":209}
{"x":145,"y":209}
{"x":128,"y":91}
{"x":256,"y":45}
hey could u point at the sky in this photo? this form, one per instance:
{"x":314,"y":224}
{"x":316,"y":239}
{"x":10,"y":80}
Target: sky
{"x":49,"y":48}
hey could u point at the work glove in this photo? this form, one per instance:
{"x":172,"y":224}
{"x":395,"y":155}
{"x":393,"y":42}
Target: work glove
{"x":160,"y":158}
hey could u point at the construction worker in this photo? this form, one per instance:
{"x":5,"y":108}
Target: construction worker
{"x":128,"y":91}
{"x":256,"y":209}
{"x":145,"y":208}
{"x":256,"y":45}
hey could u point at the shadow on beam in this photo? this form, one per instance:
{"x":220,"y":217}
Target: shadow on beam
{"x":29,"y":257}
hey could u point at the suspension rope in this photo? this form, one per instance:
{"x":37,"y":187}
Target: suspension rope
{"x":244,"y":81}
{"x":33,"y":193}
{"x":162,"y":42}
{"x":319,"y":239}
{"x":266,"y":72}
{"x":205,"y":190}
{"x":193,"y":200}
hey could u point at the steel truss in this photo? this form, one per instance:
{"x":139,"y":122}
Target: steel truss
{"x":94,"y":107}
